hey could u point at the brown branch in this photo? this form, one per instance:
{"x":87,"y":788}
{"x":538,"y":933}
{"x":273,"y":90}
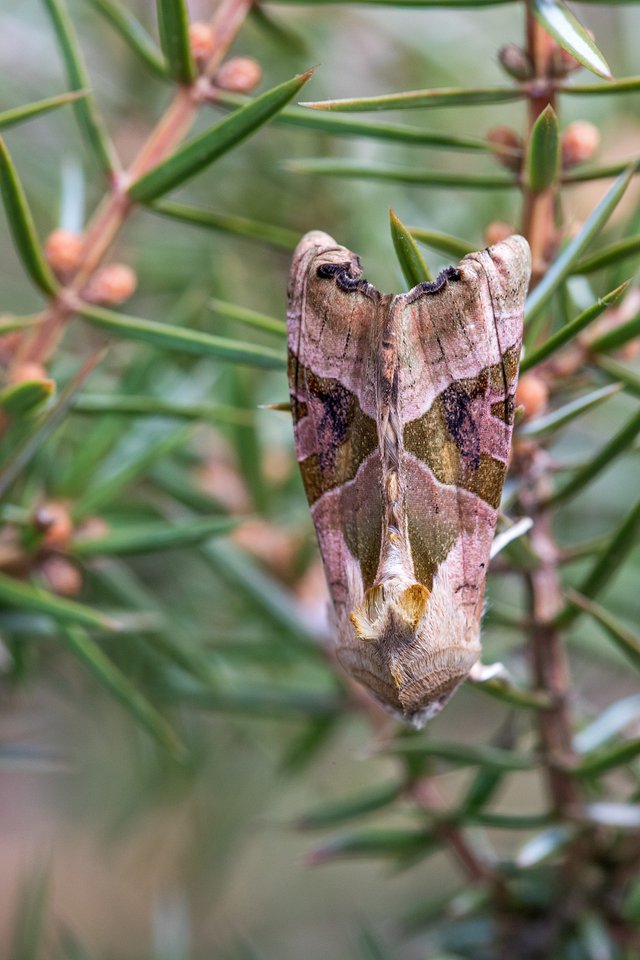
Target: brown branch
{"x":539,"y":213}
{"x":116,"y":206}
{"x":548,"y":657}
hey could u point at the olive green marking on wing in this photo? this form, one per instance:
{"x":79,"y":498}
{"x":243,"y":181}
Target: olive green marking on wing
{"x":346,"y":435}
{"x":431,"y":540}
{"x":504,"y":410}
{"x":363,"y":528}
{"x":510,"y":364}
{"x":447,"y":439}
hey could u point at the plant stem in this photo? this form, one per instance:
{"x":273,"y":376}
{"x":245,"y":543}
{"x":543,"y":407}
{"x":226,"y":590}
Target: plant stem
{"x":548,"y":658}
{"x":539,"y":214}
{"x":116,"y":206}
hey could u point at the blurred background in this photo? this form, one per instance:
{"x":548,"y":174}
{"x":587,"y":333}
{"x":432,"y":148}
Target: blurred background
{"x":133,"y":854}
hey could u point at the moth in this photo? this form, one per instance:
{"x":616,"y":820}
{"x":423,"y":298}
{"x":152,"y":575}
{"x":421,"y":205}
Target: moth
{"x":403,"y":413}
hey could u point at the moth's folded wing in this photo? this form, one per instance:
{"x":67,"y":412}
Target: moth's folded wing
{"x":332,"y":324}
{"x":459,"y":373}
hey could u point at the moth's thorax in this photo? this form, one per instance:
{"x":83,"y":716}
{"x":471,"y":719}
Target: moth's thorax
{"x":403,"y":413}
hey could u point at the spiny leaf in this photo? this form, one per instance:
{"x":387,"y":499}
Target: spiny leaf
{"x":461,"y":753}
{"x":442,"y":242}
{"x":28,"y":597}
{"x":599,"y":462}
{"x":551,"y":422}
{"x":624,"y":638}
{"x":246,"y":577}
{"x":509,"y":693}
{"x":21,"y":225}
{"x":149,"y":537}
{"x":26,"y":397}
{"x":89,"y":120}
{"x":173,"y":25}
{"x":78,"y":642}
{"x":507,"y":821}
{"x":616,"y":371}
{"x":133,"y":34}
{"x":11,"y":118}
{"x":167,"y":337}
{"x":601,"y":761}
{"x":193,"y":157}
{"x":607,"y":563}
{"x":273,"y":28}
{"x":119,"y":581}
{"x":573,"y":328}
{"x":371,"y":171}
{"x":49,"y":421}
{"x":107,"y":486}
{"x":226,"y":223}
{"x":614,"y":253}
{"x":563,"y":26}
{"x":352,"y":127}
{"x":136,"y":406}
{"x":412,"y":99}
{"x":565,"y":262}
{"x":617,"y":337}
{"x":584,"y":174}
{"x":250,"y":317}
{"x":9,"y":324}
{"x":339,"y":811}
{"x":624,"y":85}
{"x":411,"y":263}
{"x":376,"y":843}
{"x":304,"y":749}
{"x":543,"y":151}
{"x":254,"y":701}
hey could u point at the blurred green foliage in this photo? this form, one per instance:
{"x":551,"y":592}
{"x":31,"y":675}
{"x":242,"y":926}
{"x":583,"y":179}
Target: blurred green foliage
{"x":172,"y":721}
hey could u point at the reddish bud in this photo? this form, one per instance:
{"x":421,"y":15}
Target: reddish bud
{"x":239,"y":75}
{"x":61,"y":576}
{"x":516,"y":61}
{"x":63,"y":250}
{"x":28,"y":371}
{"x":579,"y":143}
{"x":498,"y":231}
{"x":93,"y":528}
{"x":202,"y":41}
{"x":112,"y":284}
{"x":562,"y":62}
{"x":54,"y":521}
{"x":532,"y":394}
{"x":506,"y":146}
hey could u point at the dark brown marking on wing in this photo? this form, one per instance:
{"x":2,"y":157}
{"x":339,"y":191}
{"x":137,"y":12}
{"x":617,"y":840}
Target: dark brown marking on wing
{"x":447,"y":439}
{"x":345,"y":435}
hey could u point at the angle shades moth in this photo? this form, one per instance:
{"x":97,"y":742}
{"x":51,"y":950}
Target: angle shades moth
{"x":403,"y":414}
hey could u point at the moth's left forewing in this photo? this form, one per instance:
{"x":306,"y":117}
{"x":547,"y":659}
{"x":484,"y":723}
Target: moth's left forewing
{"x":331,"y":329}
